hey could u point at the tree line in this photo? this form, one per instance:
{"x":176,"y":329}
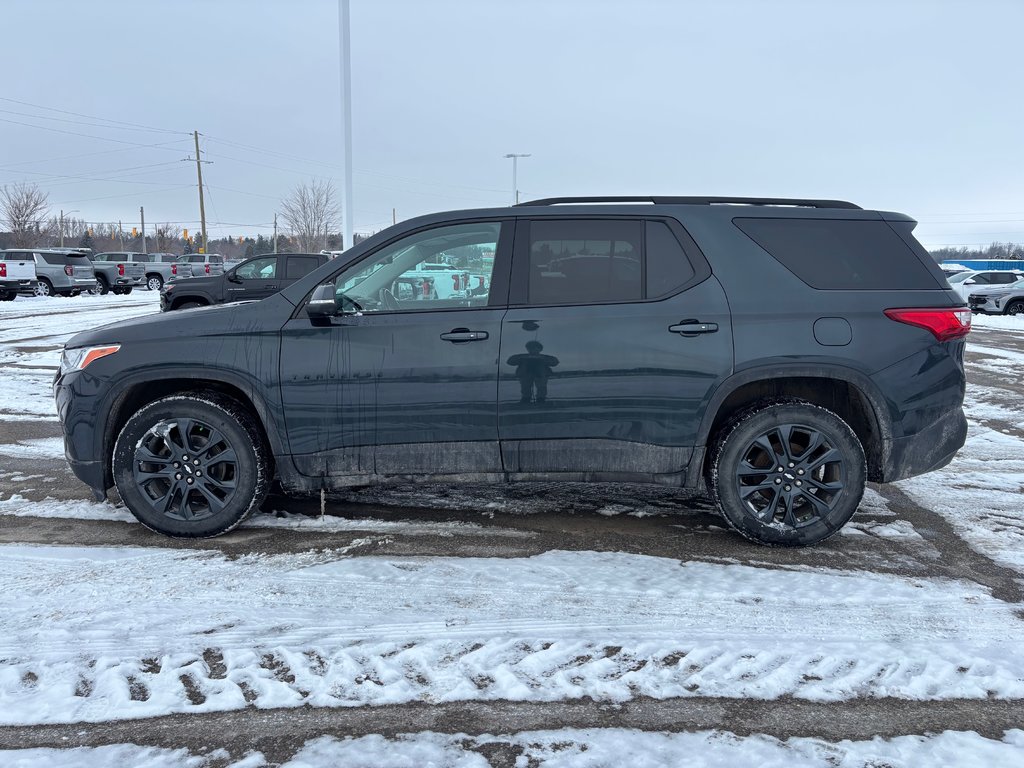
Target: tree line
{"x":310,"y":221}
{"x":994,"y":251}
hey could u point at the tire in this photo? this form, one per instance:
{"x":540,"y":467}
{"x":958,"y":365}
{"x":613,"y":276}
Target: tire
{"x":190,"y":305}
{"x":43,"y":287}
{"x":227,"y":462}
{"x":127,"y":289}
{"x":154,"y":282}
{"x":8,"y":295}
{"x":102,"y":286}
{"x":1015,"y":307}
{"x":756,"y":489}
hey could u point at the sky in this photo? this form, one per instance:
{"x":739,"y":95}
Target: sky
{"x":906,"y":106}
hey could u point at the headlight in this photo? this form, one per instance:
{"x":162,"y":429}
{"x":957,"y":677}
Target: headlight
{"x":81,"y":358}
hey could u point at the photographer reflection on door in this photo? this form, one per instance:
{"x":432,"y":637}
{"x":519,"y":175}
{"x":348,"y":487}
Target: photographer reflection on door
{"x":533,"y":370}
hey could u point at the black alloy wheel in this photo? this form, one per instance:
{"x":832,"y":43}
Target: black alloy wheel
{"x":788,"y":473}
{"x":192,"y":465}
{"x":1015,"y":307}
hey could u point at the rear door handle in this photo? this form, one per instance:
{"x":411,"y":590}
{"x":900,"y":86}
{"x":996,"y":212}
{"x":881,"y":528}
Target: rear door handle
{"x":693,"y":327}
{"x":458,"y":335}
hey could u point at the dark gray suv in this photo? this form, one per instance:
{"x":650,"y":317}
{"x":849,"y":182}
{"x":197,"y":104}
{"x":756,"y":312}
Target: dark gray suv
{"x":775,"y":353}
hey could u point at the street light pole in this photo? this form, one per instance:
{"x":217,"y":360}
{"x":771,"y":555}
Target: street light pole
{"x":515,"y":168}
{"x":345,"y":62}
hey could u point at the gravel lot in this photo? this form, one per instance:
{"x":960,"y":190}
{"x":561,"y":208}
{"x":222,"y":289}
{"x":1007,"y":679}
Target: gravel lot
{"x":529,"y":625}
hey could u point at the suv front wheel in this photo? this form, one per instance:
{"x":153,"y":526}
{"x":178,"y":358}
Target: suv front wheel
{"x":191,"y":465}
{"x":787,"y":473}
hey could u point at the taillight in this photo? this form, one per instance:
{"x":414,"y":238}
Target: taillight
{"x":120,"y":270}
{"x":69,"y":270}
{"x":207,"y":269}
{"x":945,"y":324}
{"x":3,"y":269}
{"x":426,"y":289}
{"x":174,"y":269}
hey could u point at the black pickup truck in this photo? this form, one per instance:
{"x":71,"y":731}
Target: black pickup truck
{"x":255,"y":278}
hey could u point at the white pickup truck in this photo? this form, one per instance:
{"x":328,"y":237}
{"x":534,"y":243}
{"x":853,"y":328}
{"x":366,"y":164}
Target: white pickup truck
{"x":16,"y":274}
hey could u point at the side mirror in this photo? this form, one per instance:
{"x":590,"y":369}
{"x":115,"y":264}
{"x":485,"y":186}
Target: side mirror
{"x":233,"y":278}
{"x":968,"y":281}
{"x":321,"y":303}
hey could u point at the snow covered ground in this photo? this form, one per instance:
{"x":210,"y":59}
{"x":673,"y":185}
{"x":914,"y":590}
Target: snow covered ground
{"x":918,"y":601}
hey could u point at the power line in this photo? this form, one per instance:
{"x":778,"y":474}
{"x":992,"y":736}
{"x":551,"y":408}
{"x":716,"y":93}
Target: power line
{"x":91,"y":117}
{"x":77,"y":133}
{"x":9,"y":166}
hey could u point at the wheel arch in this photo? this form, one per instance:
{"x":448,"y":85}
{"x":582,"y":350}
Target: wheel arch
{"x":848,"y":393}
{"x":142,"y":390}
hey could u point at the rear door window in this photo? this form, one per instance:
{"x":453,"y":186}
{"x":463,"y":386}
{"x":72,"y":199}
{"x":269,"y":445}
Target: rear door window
{"x":300,"y":266}
{"x":585,"y":261}
{"x":841,"y":254}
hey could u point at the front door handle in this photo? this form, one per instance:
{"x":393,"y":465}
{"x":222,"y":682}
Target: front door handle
{"x":270,"y":286}
{"x":458,"y":335}
{"x":693,"y":327}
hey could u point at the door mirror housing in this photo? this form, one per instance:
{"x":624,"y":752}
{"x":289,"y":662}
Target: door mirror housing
{"x":322,"y":303}
{"x":970,"y":282}
{"x":233,"y":278}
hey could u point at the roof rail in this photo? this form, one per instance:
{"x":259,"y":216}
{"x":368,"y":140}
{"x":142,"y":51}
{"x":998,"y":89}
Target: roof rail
{"x":660,"y":200}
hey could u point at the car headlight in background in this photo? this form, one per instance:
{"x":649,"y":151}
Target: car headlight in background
{"x":81,"y":358}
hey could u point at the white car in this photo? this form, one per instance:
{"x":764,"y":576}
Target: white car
{"x":964,"y":283}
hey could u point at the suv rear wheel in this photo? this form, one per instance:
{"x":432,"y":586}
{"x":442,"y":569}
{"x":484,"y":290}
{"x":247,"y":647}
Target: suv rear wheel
{"x":787,"y":473}
{"x":43,"y":287}
{"x":191,"y":465}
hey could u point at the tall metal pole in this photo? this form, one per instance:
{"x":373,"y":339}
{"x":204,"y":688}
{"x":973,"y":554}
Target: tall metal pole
{"x":515,"y":168}
{"x":142,"y":215}
{"x":344,"y":43}
{"x":202,"y":207}
{"x":62,"y":228}
{"x":275,"y":233}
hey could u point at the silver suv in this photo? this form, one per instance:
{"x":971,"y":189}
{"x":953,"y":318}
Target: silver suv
{"x":59,"y":271}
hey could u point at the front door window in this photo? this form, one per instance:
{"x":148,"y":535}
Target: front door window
{"x":442,"y":268}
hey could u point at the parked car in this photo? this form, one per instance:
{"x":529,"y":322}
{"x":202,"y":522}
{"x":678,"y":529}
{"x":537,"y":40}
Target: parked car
{"x":255,"y":278}
{"x":59,"y":271}
{"x":203,"y":263}
{"x":971,"y":281}
{"x":656,"y":358}
{"x":17,"y":275}
{"x":998,"y":299}
{"x":116,"y":272}
{"x":160,"y":267}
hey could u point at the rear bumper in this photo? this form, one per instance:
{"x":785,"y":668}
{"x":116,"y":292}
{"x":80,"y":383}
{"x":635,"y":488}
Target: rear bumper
{"x":930,"y":449}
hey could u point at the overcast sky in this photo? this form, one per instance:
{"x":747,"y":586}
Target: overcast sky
{"x":907,"y":106}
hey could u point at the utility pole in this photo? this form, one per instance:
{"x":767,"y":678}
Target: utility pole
{"x":515,"y":187}
{"x":142,"y":215}
{"x":202,"y":207}
{"x":275,"y":233}
{"x":120,"y":233}
{"x":393,"y":219}
{"x":62,"y":228}
{"x":345,"y":62}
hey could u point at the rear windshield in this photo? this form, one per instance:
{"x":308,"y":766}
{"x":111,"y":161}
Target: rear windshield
{"x":843,"y":254}
{"x":60,"y":259}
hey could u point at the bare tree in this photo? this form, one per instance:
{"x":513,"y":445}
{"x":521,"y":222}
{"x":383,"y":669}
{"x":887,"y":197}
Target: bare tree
{"x":168,"y":236}
{"x":22,"y":208}
{"x":310,"y":213}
